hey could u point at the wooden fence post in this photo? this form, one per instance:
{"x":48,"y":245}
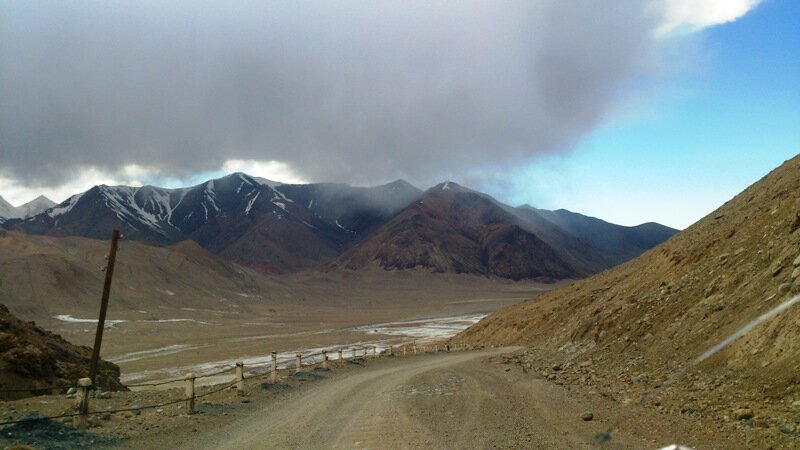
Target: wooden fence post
{"x":240,"y":378}
{"x":324,"y":359}
{"x":274,"y":375}
{"x":298,"y":362}
{"x":189,"y":393}
{"x":82,"y":404}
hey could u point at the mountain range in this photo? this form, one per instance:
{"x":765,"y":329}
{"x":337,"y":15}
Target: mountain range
{"x":32,"y":208}
{"x":277,"y":228}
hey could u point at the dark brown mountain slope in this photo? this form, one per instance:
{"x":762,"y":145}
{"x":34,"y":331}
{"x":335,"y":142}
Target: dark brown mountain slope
{"x":31,"y":357}
{"x":453,"y":229}
{"x":629,"y":329}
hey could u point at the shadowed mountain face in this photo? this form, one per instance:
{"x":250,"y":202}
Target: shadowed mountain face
{"x":653,"y":315}
{"x":277,"y":228}
{"x":616,"y":243}
{"x":454,"y":229}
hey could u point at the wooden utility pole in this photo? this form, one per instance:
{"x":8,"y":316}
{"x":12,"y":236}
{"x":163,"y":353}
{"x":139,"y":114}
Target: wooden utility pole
{"x":98,"y":337}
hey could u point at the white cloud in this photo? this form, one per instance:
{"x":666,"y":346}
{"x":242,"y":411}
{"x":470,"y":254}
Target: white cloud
{"x":271,"y":170}
{"x":694,"y":15}
{"x":136,"y":175}
{"x":17,"y":194}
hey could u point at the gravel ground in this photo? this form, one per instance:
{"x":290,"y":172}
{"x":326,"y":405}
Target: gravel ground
{"x":447,"y":400}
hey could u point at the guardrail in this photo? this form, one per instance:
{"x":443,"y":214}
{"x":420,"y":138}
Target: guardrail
{"x":241,"y":376}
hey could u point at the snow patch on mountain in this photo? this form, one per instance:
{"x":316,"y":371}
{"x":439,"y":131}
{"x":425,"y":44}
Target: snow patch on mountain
{"x":250,"y":203}
{"x":32,"y":208}
{"x":65,"y":207}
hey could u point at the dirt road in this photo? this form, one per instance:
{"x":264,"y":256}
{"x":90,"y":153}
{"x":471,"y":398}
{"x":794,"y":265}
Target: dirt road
{"x":456,"y":400}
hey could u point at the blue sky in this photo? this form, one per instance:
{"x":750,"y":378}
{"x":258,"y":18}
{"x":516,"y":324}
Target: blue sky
{"x":688,"y":142}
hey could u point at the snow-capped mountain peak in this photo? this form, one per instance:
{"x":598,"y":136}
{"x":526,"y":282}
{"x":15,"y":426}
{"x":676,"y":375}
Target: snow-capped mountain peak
{"x":33,"y":207}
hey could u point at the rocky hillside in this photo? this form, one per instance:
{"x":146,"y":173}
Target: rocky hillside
{"x":31,"y":357}
{"x":628,"y":330}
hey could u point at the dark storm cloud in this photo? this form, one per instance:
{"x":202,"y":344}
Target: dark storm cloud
{"x":341,"y":91}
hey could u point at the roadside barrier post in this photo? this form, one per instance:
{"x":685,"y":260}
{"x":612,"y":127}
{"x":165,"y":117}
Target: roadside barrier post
{"x":274,"y":375}
{"x":82,"y":404}
{"x":354,"y":353}
{"x":437,"y":348}
{"x":391,"y":350}
{"x":298,"y":362}
{"x":189,"y":393}
{"x":365,"y":352}
{"x":324,"y":359}
{"x":240,"y":378}
{"x":447,"y":346}
{"x":415,"y":347}
{"x":405,"y":350}
{"x":341,"y":359}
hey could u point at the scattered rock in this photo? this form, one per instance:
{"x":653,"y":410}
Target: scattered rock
{"x":72,"y":391}
{"x":743,"y":414}
{"x":688,"y":409}
{"x":641,"y":378}
{"x":784,"y":288}
{"x":587,"y":416}
{"x":796,"y":261}
{"x":796,"y":273}
{"x":508,"y":369}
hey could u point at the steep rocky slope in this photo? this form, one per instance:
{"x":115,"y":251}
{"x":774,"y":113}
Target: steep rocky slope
{"x":628,"y":330}
{"x":31,"y":357}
